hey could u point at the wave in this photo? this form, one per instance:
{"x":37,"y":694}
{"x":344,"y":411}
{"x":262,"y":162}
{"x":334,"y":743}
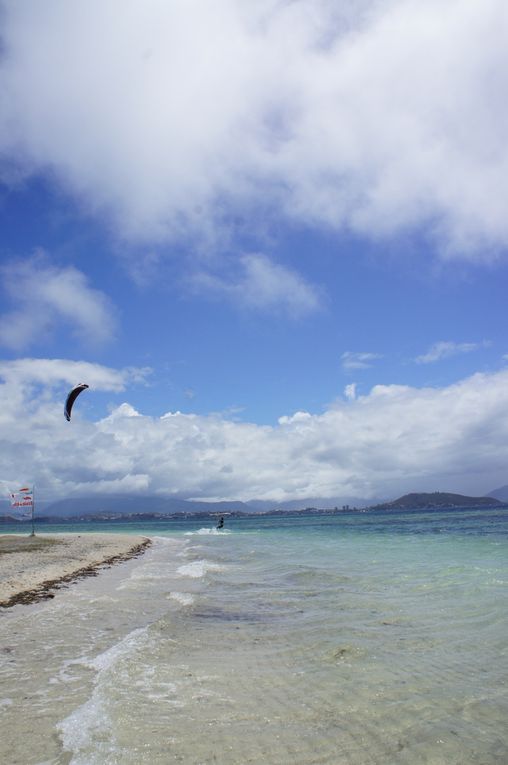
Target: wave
{"x":90,"y":722}
{"x":208,"y":531}
{"x":198,"y":568}
{"x":184,"y":598}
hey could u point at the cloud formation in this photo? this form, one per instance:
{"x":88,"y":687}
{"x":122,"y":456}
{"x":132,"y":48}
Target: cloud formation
{"x":350,"y":392}
{"x":44,"y":297}
{"x":352,"y":360}
{"x":48,"y":373}
{"x":178,"y":120}
{"x":444,"y":349}
{"x":262,"y":285}
{"x":394,"y":439}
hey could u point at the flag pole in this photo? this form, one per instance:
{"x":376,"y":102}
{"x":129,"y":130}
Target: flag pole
{"x":33,"y":511}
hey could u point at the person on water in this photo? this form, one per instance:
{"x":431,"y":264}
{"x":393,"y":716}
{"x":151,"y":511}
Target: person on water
{"x":220,"y":524}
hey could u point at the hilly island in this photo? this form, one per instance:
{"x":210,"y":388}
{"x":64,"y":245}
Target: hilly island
{"x":437,"y":499}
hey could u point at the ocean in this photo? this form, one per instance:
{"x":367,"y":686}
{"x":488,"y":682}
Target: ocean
{"x":321,"y":639}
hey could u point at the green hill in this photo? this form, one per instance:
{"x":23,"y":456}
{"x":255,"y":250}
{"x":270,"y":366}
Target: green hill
{"x":436,"y":499}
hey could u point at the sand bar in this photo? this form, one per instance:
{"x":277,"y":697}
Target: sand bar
{"x":32,"y":568}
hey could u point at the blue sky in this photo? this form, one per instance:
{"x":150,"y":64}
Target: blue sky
{"x":286,"y":223}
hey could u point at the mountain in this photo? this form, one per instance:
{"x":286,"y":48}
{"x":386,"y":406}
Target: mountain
{"x":129,"y":504}
{"x":114,"y":506}
{"x":501,"y":493}
{"x":436,"y":499}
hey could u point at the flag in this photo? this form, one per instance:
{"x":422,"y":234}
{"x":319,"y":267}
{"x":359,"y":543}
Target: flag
{"x":22,"y":498}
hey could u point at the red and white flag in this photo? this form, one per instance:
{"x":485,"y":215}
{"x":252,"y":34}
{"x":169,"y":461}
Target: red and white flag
{"x":22,"y":498}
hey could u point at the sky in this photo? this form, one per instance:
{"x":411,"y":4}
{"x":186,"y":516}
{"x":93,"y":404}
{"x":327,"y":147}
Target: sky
{"x":272,"y":237}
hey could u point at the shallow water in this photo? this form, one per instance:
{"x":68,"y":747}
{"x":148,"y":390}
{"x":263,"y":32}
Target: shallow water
{"x":358,"y":638}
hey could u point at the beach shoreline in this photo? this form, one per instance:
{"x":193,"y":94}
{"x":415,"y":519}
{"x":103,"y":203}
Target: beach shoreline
{"x":33,"y":568}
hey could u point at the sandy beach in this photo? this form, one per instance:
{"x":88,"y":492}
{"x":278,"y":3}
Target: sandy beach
{"x":33,"y":568}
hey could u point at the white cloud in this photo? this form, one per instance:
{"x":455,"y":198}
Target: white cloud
{"x":395,"y":439}
{"x":352,"y":360}
{"x":46,"y":297}
{"x":444,"y":349}
{"x":350,"y":391}
{"x":178,"y":119}
{"x":24,"y":374}
{"x":262,"y":285}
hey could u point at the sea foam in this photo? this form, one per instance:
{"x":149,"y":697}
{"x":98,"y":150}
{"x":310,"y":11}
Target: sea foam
{"x":205,"y":531}
{"x":91,"y":722}
{"x":184,"y":598}
{"x":198,"y":568}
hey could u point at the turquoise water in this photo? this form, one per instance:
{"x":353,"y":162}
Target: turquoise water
{"x":355,"y":638}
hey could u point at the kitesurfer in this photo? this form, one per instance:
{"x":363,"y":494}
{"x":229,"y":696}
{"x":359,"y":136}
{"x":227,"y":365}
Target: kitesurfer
{"x":220,"y":524}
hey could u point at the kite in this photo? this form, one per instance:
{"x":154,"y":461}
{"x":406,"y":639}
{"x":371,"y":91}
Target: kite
{"x":71,"y":398}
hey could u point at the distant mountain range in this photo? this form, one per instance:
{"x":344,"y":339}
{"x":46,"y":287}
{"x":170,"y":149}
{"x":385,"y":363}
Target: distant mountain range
{"x":117,"y":506}
{"x":151,"y":505}
{"x":128,"y":504}
{"x":501,"y":493}
{"x":131,"y":504}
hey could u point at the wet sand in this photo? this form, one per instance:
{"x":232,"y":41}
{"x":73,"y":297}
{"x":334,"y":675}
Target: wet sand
{"x":34,"y":568}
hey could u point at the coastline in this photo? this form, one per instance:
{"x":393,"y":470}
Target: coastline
{"x":32,"y":568}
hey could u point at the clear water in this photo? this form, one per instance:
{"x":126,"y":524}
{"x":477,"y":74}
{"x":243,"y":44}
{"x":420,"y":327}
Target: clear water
{"x":358,"y":638}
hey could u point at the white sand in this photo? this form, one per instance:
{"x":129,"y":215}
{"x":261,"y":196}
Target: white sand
{"x":32,"y":567}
